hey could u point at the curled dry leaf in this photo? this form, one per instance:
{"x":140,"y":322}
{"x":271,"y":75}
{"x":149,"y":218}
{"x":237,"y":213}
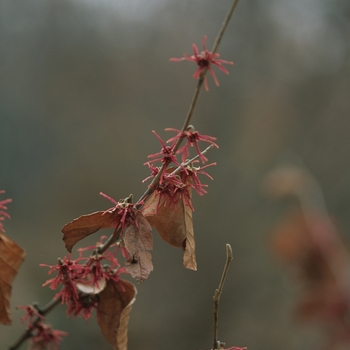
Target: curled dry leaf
{"x":85,"y":225}
{"x":88,"y":286}
{"x":138,"y":240}
{"x":113,"y":311}
{"x":11,"y":257}
{"x":175,"y":226}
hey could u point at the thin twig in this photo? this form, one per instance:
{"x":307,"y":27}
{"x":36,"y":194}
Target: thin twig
{"x":192,"y":107}
{"x":111,"y":239}
{"x":217,"y":295}
{"x":189,"y":161}
{"x":223,"y":27}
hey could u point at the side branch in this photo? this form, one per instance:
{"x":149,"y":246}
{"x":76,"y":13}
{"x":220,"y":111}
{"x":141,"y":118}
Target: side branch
{"x":189,"y":161}
{"x":217,"y":295}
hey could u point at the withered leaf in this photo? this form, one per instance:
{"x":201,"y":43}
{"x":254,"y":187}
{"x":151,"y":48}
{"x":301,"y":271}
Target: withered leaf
{"x":11,"y":257}
{"x":85,"y":225}
{"x":189,"y":259}
{"x":175,"y":226}
{"x":113,"y":311}
{"x":138,"y":240}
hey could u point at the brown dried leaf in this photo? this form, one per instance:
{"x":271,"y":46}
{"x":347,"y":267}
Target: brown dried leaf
{"x":113,"y":311}
{"x":175,"y":226}
{"x":189,"y":259}
{"x":85,"y":225}
{"x":138,"y":240}
{"x":11,"y":257}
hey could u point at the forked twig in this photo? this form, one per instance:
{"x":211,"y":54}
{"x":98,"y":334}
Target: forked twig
{"x":217,"y":295}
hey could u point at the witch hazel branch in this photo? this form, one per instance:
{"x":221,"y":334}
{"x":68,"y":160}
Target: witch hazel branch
{"x":93,"y":281}
{"x":168,"y":208}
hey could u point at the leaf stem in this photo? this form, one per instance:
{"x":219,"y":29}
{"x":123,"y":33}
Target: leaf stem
{"x":217,"y":295}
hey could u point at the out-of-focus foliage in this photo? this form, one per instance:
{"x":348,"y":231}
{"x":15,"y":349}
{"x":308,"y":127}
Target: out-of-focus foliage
{"x":82,"y":86}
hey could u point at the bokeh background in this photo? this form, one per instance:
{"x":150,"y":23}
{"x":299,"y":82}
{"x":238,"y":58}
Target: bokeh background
{"x":83,"y":83}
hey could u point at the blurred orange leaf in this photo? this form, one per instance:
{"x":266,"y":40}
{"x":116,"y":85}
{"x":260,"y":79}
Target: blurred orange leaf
{"x":313,"y":246}
{"x":113,"y":312}
{"x":11,"y":257}
{"x":291,"y":237}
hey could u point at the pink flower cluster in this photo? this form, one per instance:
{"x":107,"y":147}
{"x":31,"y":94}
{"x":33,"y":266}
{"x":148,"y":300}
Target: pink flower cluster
{"x":205,"y":60}
{"x":80,"y":282}
{"x":43,"y":335}
{"x":176,"y":181}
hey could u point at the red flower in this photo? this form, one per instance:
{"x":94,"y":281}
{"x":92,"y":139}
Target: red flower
{"x":191,"y":177}
{"x":165,"y":155}
{"x":82,"y":307}
{"x":125,"y":211}
{"x":68,"y":272}
{"x":45,"y":337}
{"x":205,"y":59}
{"x":75,"y":278}
{"x":42,"y":335}
{"x":3,"y":213}
{"x":192,"y":138}
{"x":171,"y":190}
{"x":154,"y":171}
{"x":30,"y":315}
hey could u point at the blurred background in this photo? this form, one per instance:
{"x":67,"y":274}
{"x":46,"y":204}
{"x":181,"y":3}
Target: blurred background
{"x":83,"y":83}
